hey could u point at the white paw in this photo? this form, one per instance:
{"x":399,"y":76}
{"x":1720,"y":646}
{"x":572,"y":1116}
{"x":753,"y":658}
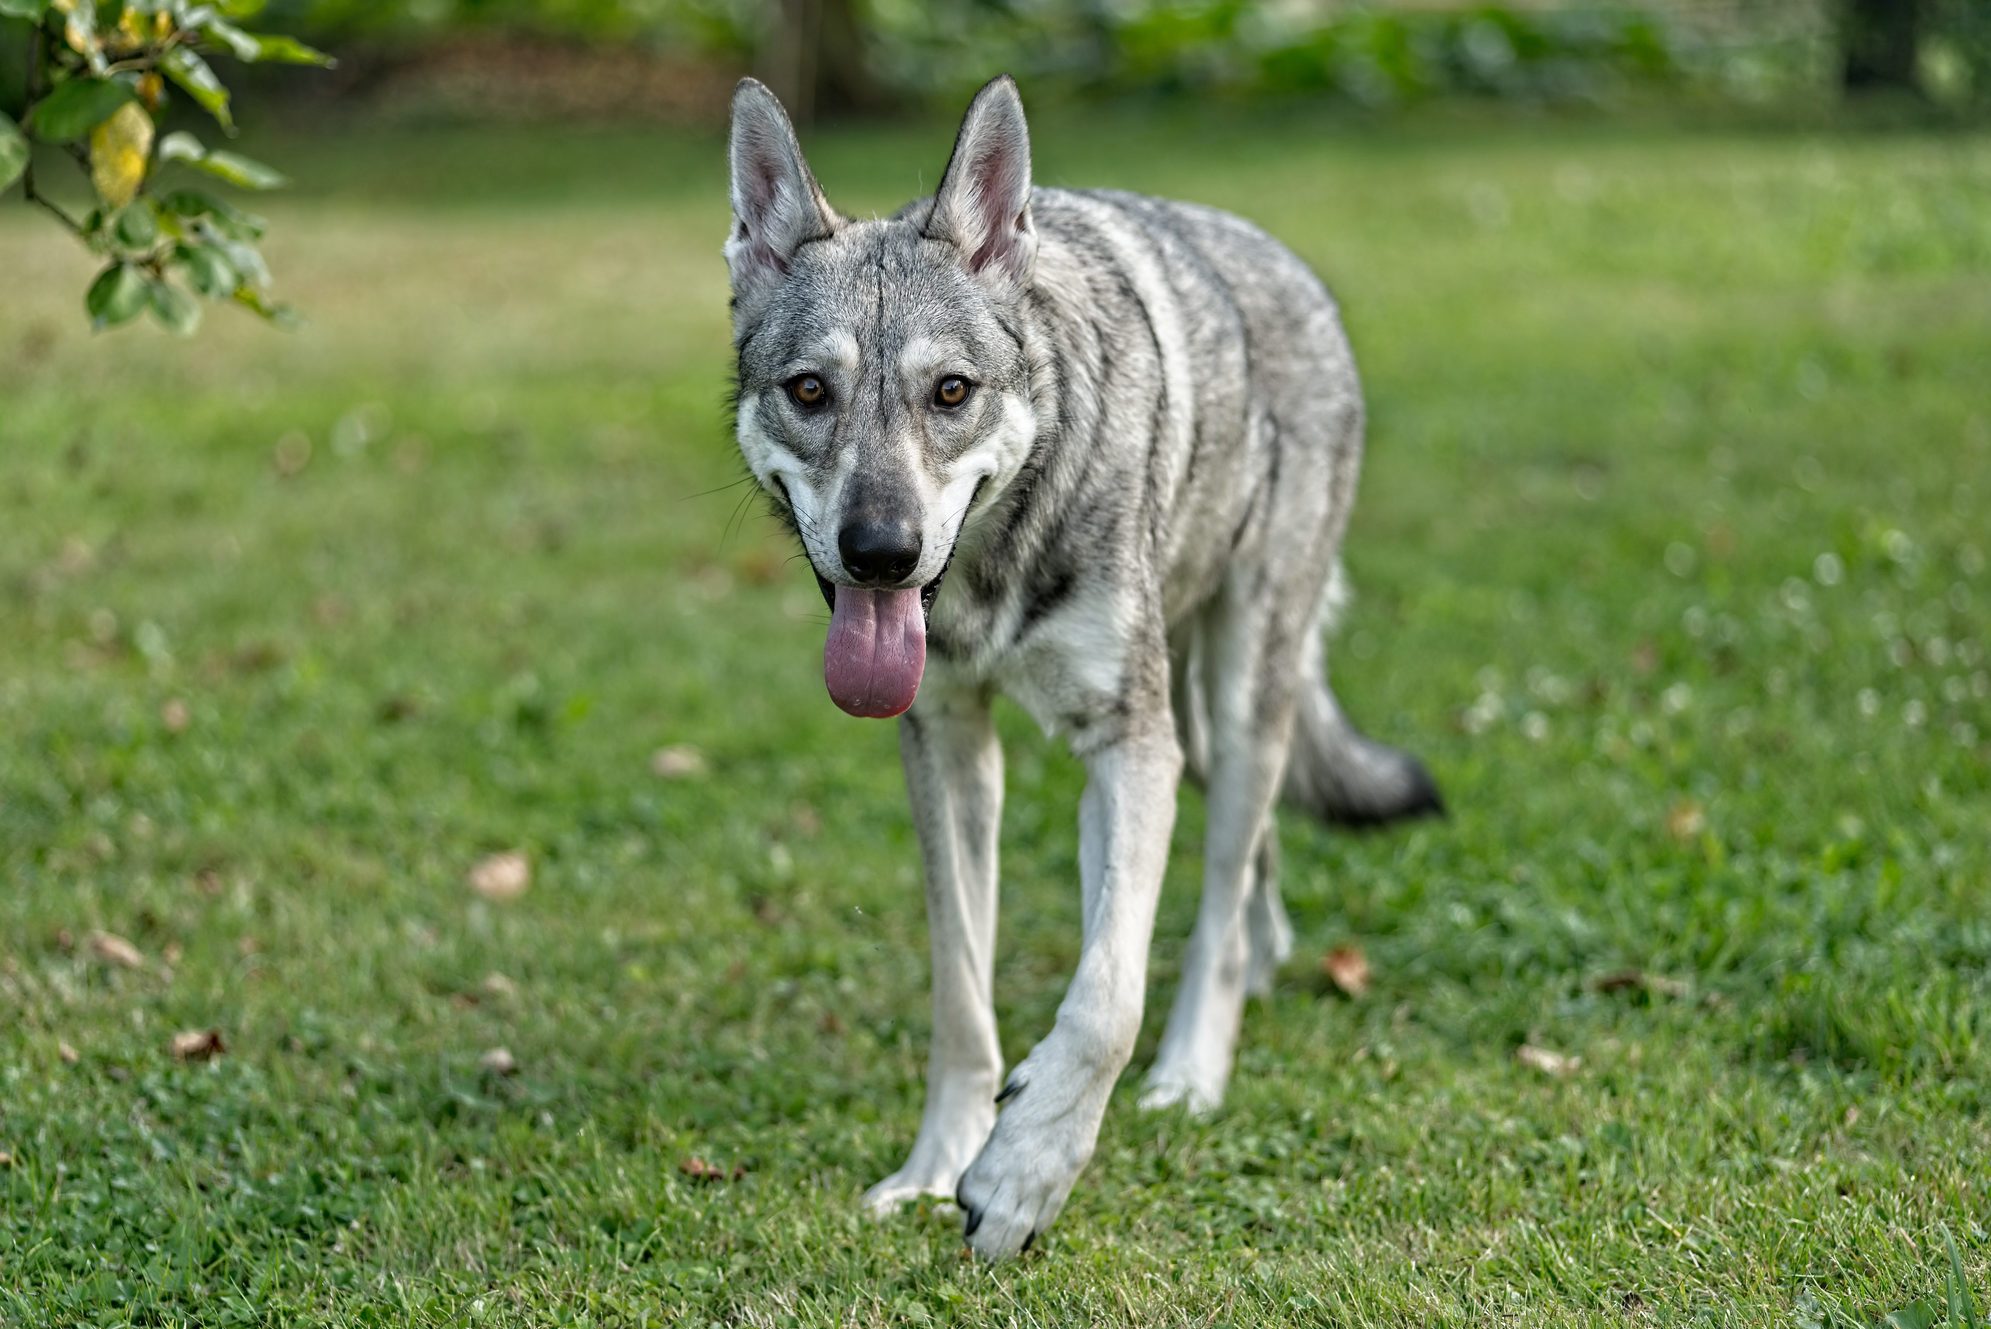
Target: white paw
{"x":905,"y":1186}
{"x":1201,"y":1092}
{"x":1024,"y":1174}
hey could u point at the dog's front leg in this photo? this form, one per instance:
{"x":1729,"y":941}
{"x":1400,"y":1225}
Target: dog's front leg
{"x":953,"y":767}
{"x":1054,"y":1100}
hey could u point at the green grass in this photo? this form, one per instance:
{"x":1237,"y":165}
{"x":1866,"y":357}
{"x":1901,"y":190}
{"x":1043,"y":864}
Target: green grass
{"x":1672,"y":556}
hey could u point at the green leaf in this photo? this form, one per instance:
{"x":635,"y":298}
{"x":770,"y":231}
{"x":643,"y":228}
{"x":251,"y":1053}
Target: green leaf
{"x":275,"y":48}
{"x":14,"y":150}
{"x":240,"y":171}
{"x":173,"y":306}
{"x":248,"y":261}
{"x":222,"y":216}
{"x":32,"y":10}
{"x":1915,"y":1315}
{"x":240,"y":9}
{"x":283,"y":316}
{"x":180,"y":146}
{"x":136,"y":227}
{"x":193,"y":74}
{"x":233,"y":167}
{"x":75,"y":108}
{"x":115,"y":297}
{"x":241,"y":43}
{"x":208,"y":271}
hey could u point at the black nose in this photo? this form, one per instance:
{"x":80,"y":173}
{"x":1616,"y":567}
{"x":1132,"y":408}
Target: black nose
{"x":880,"y":552}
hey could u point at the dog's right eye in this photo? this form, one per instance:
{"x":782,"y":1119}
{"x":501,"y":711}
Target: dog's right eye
{"x":807,"y":390}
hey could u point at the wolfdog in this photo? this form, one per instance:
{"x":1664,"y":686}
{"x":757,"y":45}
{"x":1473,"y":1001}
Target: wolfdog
{"x":1094,"y":451}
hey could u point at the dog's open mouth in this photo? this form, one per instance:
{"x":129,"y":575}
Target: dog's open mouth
{"x":876,"y":649}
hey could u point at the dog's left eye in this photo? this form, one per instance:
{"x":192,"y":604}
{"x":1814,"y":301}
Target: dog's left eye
{"x":951,"y":391}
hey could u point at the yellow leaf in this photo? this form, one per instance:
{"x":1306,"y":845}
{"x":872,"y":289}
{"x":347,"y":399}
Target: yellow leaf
{"x":120,"y":150}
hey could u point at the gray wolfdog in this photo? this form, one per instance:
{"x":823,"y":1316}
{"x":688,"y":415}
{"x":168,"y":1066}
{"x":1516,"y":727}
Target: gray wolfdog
{"x":1125,"y":433}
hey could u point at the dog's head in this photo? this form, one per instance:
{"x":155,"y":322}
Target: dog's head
{"x":883,"y":384}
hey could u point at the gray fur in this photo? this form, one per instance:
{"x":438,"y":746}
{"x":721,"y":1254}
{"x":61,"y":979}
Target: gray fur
{"x":1137,"y":516}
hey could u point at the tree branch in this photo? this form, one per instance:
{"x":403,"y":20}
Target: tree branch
{"x":33,"y":196}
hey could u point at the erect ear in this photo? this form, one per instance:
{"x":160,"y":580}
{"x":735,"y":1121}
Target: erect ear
{"x":776,"y":205}
{"x":983,"y":204}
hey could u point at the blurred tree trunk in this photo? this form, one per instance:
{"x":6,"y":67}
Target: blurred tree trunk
{"x":813,"y":55}
{"x":1878,"y":39}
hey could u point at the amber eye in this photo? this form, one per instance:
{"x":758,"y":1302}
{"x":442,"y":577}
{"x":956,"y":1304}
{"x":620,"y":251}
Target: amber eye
{"x":950,"y":391}
{"x":807,"y":390}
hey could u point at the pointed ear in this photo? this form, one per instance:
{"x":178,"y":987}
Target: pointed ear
{"x":777,"y":206}
{"x":983,"y":204}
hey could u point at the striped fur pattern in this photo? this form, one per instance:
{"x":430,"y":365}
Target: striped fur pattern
{"x":1131,"y":527}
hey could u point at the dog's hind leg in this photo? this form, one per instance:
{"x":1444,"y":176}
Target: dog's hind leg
{"x":1268,"y":932}
{"x":1250,"y":650}
{"x":953,"y":764}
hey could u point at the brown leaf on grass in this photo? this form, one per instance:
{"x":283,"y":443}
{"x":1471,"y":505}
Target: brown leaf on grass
{"x":175,"y":716}
{"x":292,"y":453}
{"x":1685,"y":820}
{"x":761,"y":565}
{"x":502,"y":876}
{"x":67,"y":1051}
{"x":497,"y":985}
{"x":699,"y":1169}
{"x":198,"y":1044}
{"x":680,"y":761}
{"x":1547,"y":1062}
{"x":6,"y":1159}
{"x":171,"y":952}
{"x":109,"y":946}
{"x":1348,"y":969}
{"x":499,"y":1061}
{"x":1637,"y":980}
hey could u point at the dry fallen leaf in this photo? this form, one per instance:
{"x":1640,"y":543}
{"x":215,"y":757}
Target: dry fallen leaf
{"x":175,"y":716}
{"x":1686,"y":820}
{"x":67,"y":1051}
{"x":502,"y":876}
{"x":499,"y":1061}
{"x":698,"y":1169}
{"x":171,"y":952}
{"x":6,"y":1159}
{"x":497,"y":985}
{"x":110,"y":946}
{"x":680,"y":761}
{"x":198,"y":1044}
{"x":1548,"y":1063}
{"x":1348,"y":969}
{"x":1626,"y":980}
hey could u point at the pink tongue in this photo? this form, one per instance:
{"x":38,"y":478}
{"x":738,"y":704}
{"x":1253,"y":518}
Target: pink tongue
{"x":876,"y":651}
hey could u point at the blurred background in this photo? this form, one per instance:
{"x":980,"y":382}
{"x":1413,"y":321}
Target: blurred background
{"x":432,"y":875}
{"x":526,"y":59}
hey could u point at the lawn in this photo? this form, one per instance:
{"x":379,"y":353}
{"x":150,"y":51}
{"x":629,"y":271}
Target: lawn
{"x":1672,"y":562}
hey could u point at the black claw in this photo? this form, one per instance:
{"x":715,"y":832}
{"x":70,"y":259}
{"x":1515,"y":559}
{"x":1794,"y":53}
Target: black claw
{"x":1026,"y":1242}
{"x":1009,"y":1091}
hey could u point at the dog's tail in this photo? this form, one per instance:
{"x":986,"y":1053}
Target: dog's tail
{"x":1337,"y":773}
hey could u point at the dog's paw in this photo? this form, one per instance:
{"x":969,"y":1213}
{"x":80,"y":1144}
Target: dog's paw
{"x":904,"y":1187}
{"x":1174,"y":1084}
{"x":1022,"y":1177}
